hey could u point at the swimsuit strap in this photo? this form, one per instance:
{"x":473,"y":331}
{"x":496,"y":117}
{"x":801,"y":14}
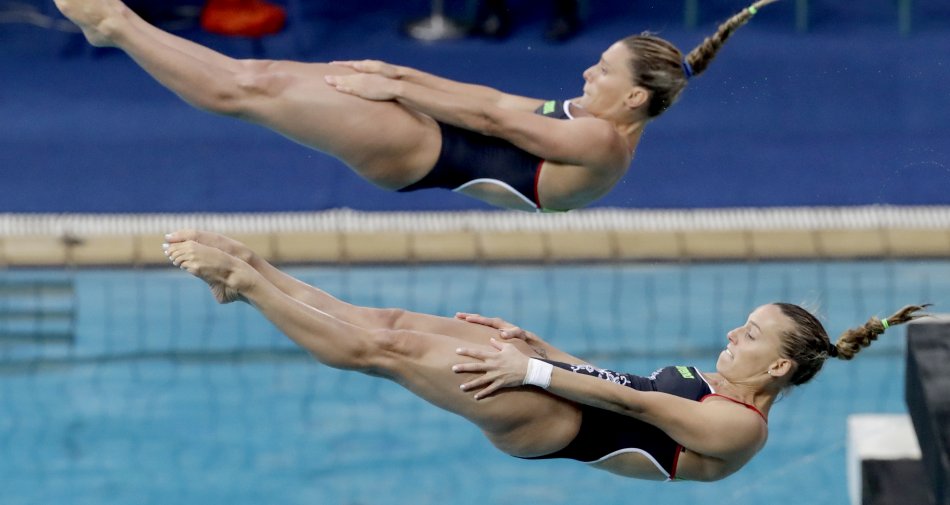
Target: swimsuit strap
{"x":733,"y":400}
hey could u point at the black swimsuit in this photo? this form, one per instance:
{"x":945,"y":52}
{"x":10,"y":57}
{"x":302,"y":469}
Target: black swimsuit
{"x":468,"y":158}
{"x":604,"y":434}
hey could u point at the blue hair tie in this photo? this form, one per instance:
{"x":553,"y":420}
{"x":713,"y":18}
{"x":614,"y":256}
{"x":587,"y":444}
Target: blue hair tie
{"x":687,"y":69}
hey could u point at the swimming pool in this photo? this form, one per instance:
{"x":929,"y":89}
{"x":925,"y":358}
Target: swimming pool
{"x":133,"y":386}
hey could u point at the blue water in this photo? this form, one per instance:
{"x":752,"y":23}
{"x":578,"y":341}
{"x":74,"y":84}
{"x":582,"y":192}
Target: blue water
{"x":165,"y":397}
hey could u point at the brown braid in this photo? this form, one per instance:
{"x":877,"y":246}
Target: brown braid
{"x":700,"y":57}
{"x":657,"y":65}
{"x":808,"y":345}
{"x":852,"y":341}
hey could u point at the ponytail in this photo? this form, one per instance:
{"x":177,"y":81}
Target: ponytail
{"x":852,"y":341}
{"x":808,"y":345}
{"x":660,"y":67}
{"x":699,"y":58}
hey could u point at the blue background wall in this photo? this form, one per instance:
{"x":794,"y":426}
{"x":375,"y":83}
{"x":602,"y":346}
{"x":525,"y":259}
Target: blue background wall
{"x":848,"y":113}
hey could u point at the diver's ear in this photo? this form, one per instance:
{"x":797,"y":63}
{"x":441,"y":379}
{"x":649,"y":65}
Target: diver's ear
{"x":637,"y":97}
{"x":780,"y":367}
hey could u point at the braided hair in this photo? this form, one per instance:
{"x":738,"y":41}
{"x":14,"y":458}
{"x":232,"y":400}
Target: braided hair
{"x":808,"y":345}
{"x":660,"y":67}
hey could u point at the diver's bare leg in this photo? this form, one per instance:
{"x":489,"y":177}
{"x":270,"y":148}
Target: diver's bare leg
{"x":524,"y":421}
{"x":291,"y":98}
{"x":197,"y":51}
{"x":104,"y":24}
{"x":365,"y":317}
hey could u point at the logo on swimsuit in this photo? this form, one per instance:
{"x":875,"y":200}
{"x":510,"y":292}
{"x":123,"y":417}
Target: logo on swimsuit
{"x":684,"y":371}
{"x":548,"y":107}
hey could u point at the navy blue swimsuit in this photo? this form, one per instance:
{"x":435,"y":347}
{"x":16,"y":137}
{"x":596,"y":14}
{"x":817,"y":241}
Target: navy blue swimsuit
{"x":469,"y":158}
{"x":604,"y":434}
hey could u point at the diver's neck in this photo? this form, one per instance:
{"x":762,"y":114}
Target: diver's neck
{"x":746,"y":392}
{"x":629,"y":129}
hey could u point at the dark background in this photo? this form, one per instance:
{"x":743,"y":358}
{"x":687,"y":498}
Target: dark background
{"x":851,"y":110}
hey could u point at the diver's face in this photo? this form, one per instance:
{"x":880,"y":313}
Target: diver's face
{"x":752,"y":348}
{"x":608,"y":82}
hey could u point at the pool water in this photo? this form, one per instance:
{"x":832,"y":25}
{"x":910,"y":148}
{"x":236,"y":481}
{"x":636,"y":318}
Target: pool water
{"x":135,"y":387}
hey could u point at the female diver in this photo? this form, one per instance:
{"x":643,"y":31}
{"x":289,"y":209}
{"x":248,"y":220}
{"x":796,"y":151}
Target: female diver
{"x":404,"y":130}
{"x":532,"y":400}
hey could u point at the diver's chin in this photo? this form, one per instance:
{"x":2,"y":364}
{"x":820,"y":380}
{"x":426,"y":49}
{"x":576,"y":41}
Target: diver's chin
{"x":724,"y":358}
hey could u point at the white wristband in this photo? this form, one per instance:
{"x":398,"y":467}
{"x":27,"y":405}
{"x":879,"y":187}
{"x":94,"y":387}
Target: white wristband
{"x":538,"y":374}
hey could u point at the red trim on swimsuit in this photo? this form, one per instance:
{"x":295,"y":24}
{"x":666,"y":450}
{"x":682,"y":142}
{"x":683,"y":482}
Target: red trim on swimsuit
{"x":676,"y":460}
{"x":537,"y":178}
{"x":733,"y":400}
{"x":679,"y":448}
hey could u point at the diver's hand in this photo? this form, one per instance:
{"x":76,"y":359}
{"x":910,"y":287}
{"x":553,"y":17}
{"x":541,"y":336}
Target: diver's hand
{"x":502,"y":367}
{"x":382,"y":68}
{"x":505,"y":329}
{"x":369,"y":86}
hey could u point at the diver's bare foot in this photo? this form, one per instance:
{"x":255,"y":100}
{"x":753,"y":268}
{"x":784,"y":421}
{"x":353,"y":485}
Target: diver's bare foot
{"x":218,"y":241}
{"x":226,"y":275}
{"x":97,"y":19}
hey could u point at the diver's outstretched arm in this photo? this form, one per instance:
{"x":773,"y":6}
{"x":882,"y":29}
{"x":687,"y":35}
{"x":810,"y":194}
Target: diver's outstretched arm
{"x":486,"y":94}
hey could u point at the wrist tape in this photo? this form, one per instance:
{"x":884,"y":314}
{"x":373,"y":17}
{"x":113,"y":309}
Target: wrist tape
{"x":538,"y":374}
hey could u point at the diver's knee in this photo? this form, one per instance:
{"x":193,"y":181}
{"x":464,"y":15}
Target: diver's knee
{"x":388,"y":318}
{"x":254,"y":84}
{"x":391,"y":344}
